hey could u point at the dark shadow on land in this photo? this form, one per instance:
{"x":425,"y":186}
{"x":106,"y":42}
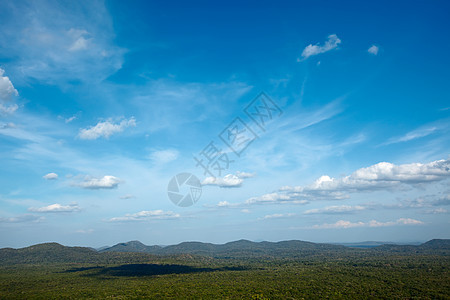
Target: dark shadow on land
{"x":148,"y":270}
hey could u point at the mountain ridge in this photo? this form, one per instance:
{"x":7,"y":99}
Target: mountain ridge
{"x":135,"y":251}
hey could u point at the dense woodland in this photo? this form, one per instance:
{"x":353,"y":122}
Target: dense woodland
{"x":237,"y":270}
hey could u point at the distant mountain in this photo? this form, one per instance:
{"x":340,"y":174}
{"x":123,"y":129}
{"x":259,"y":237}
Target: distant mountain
{"x":132,"y":246}
{"x":371,"y":244}
{"x":135,"y":251}
{"x":56,"y":253}
{"x":238,"y":248}
{"x":47,"y":252}
{"x":436,"y":244}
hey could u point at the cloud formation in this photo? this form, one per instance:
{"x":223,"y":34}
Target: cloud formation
{"x":106,"y":182}
{"x":21,"y":219}
{"x":161,"y":157}
{"x":105,"y":129}
{"x":244,"y":175}
{"x":373,"y":50}
{"x":147,"y":215}
{"x":377,"y":177}
{"x":228,"y":181}
{"x":380,"y":176}
{"x":276,"y":198}
{"x":335,"y":209}
{"x":58,"y":42}
{"x":342,"y":224}
{"x":7,"y":92}
{"x":278,"y":216}
{"x":330,"y":44}
{"x":441,"y":126}
{"x":50,"y":176}
{"x":56,"y":208}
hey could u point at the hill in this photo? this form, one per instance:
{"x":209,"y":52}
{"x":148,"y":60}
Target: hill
{"x":134,"y":251}
{"x":56,"y":253}
{"x":240,"y":248}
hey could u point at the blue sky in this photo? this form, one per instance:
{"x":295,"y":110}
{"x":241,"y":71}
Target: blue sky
{"x":102,"y":103}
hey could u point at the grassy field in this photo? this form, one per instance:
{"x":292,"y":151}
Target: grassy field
{"x":192,"y":277}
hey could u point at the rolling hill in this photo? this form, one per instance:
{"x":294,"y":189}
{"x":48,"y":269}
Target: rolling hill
{"x":135,"y":251}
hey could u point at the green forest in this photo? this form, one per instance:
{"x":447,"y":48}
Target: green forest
{"x":314,"y":271}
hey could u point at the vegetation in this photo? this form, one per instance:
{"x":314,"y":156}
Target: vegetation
{"x":52,"y":271}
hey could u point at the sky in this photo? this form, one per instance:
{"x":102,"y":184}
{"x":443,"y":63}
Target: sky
{"x":324,"y":121}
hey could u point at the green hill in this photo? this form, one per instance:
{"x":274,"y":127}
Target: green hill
{"x":136,"y":252}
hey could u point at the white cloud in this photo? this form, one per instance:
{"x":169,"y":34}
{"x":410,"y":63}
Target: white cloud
{"x":286,"y":195}
{"x":106,"y":182}
{"x":21,"y":219}
{"x":342,"y":224}
{"x":146,"y":216}
{"x":310,"y":50}
{"x":373,"y":50}
{"x":223,"y":204}
{"x":278,"y":216}
{"x":335,"y":209}
{"x":380,"y":176}
{"x":50,"y":176}
{"x":105,"y":129}
{"x":127,"y":196}
{"x":244,"y":175}
{"x":7,"y":92}
{"x":161,"y":157}
{"x":56,"y":208}
{"x":276,"y":198}
{"x":228,"y":181}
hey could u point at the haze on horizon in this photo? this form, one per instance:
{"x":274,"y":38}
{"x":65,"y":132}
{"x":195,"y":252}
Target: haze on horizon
{"x":102,"y":103}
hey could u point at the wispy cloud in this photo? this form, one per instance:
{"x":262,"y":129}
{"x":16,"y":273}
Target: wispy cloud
{"x":276,"y":198}
{"x":440,"y":126}
{"x":85,"y":231}
{"x":21,"y":219}
{"x":335,"y":209}
{"x":278,"y":216}
{"x":342,"y":224}
{"x":244,"y":175}
{"x":147,"y":216}
{"x":161,"y":157}
{"x":56,"y":208}
{"x":105,"y":129}
{"x":58,"y":42}
{"x":439,"y":210}
{"x":331,"y":43}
